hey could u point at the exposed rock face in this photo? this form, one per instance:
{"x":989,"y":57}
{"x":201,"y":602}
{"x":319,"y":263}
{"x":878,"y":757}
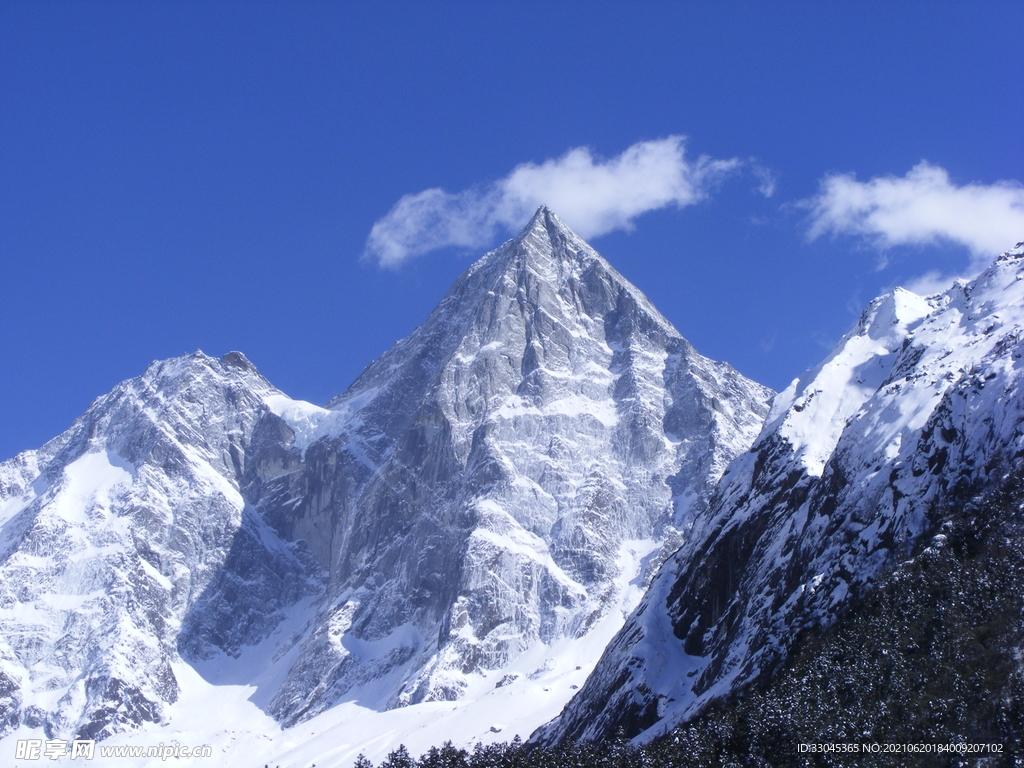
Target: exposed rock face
{"x":485,"y":472}
{"x":917,"y":409}
{"x":468,"y":498}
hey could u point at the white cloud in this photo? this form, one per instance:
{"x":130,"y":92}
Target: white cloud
{"x":765,"y":178}
{"x":592,"y":196}
{"x":920,"y":208}
{"x":931,"y":282}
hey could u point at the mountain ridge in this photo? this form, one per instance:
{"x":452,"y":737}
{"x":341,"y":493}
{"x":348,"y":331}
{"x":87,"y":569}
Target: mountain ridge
{"x":482,"y":494}
{"x":542,"y":334}
{"x":917,"y":405}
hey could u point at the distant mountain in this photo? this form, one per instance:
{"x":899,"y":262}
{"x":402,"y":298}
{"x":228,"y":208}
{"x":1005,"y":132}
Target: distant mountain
{"x":885,"y":481}
{"x":127,"y":537}
{"x":479,"y":508}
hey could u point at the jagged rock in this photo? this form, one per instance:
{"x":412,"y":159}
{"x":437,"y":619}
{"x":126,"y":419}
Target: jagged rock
{"x":119,"y":533}
{"x":919,"y":406}
{"x":475,"y":493}
{"x":486,"y":471}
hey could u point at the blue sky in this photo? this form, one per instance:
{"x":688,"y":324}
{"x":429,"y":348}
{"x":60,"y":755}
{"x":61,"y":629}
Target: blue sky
{"x":181,"y":176}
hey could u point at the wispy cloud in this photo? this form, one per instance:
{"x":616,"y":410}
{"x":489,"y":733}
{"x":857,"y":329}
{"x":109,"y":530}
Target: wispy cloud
{"x":765,"y":178}
{"x":592,"y":195}
{"x":921,"y":208}
{"x":933,"y":281}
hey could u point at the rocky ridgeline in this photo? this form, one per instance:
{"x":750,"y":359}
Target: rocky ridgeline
{"x":469,"y":497}
{"x":882,"y":454}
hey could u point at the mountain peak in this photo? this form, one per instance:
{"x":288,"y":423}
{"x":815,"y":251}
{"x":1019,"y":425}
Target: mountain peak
{"x":177,"y":373}
{"x":479,"y":500}
{"x":546,"y":222}
{"x":545,"y":238}
{"x":911,"y":424}
{"x":542,"y":219}
{"x":542,"y":213}
{"x":544,"y":280}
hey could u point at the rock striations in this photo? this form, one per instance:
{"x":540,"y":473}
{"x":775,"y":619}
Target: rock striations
{"x":480,"y":480}
{"x":917,"y":411}
{"x":486,"y":487}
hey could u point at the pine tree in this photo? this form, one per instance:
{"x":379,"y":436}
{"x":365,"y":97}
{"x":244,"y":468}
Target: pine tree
{"x":399,"y":758}
{"x":448,"y":756}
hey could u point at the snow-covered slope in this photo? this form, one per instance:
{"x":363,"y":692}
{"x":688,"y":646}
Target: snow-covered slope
{"x":919,"y":406}
{"x":470,"y":521}
{"x":127,"y":538}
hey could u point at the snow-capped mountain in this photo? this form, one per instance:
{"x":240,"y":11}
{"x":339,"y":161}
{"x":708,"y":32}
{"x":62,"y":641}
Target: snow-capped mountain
{"x":482,"y":496}
{"x":486,"y":472}
{"x":916,"y":411}
{"x":127,"y":538}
